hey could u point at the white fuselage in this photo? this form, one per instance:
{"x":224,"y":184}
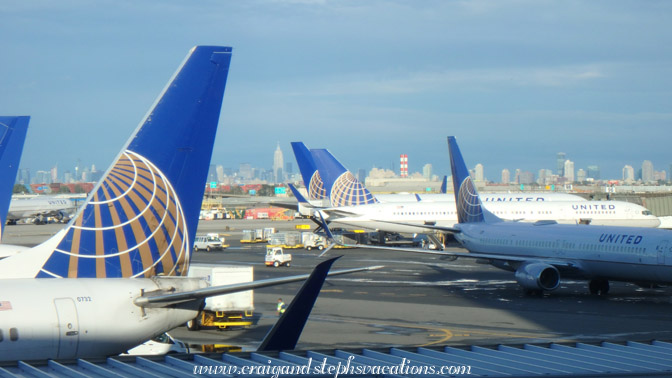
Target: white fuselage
{"x":486,"y":197}
{"x":640,"y":255}
{"x":31,"y":207}
{"x":398,"y":217}
{"x":83,"y":318}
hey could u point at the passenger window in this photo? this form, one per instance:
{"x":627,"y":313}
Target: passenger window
{"x":13,"y":334}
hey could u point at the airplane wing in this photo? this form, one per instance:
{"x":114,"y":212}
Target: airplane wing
{"x":165,"y":300}
{"x":423,"y":226}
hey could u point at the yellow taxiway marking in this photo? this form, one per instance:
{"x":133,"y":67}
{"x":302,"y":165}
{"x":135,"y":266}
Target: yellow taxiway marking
{"x":331,"y":291}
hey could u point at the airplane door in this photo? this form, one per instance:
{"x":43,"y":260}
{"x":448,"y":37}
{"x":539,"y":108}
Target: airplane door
{"x":662,"y":249}
{"x":68,"y":327}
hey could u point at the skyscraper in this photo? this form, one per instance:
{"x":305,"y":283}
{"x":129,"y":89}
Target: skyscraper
{"x":569,"y":171}
{"x":479,"y":176}
{"x":278,"y":163}
{"x":560,"y":164}
{"x":593,"y":172}
{"x":628,"y":173}
{"x":647,"y":171}
{"x":427,"y":171}
{"x":506,"y":176}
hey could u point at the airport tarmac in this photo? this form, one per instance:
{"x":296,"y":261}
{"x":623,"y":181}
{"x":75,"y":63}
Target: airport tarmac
{"x":420,"y":300}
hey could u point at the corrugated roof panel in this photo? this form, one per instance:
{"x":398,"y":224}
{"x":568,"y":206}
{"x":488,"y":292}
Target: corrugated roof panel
{"x":544,"y":360}
{"x":632,"y":359}
{"x":530,"y":364}
{"x":480,"y":360}
{"x":572,"y":359}
{"x":589,"y":355}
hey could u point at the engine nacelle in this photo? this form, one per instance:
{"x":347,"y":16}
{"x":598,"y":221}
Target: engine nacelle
{"x":538,"y":276}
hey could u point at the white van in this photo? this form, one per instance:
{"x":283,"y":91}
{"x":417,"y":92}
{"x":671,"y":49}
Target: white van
{"x":207,"y":242}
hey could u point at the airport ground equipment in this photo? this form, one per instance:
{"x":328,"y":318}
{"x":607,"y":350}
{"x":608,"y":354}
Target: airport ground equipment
{"x":228,"y":310}
{"x":259,"y":235}
{"x":208,"y":243}
{"x":276,"y":256}
{"x":311,"y":240}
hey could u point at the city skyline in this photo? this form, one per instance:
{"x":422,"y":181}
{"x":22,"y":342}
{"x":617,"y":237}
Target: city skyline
{"x":277,"y":166}
{"x":514,"y":81}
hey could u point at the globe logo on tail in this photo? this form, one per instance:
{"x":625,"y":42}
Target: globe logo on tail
{"x":348,"y":191}
{"x":468,"y":204}
{"x":133,"y":226}
{"x":316,"y":189}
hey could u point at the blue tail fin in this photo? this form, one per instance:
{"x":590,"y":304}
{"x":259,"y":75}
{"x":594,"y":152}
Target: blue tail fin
{"x":343,"y":189}
{"x":299,"y":197}
{"x":444,"y":185}
{"x":311,"y":176}
{"x":141,"y":218}
{"x":13,"y":135}
{"x":469,"y":208}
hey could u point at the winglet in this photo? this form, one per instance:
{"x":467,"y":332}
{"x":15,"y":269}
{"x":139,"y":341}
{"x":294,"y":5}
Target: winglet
{"x":444,"y":185}
{"x":343,"y":189}
{"x":299,"y":197}
{"x":286,"y":332}
{"x":11,"y":145}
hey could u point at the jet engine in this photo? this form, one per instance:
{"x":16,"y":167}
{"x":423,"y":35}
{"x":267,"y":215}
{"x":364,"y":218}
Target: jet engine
{"x":538,"y":276}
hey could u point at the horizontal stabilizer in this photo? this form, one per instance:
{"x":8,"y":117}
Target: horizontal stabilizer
{"x":164,"y":300}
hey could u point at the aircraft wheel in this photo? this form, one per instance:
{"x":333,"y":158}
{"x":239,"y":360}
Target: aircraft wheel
{"x":598,"y":287}
{"x":192,"y":325}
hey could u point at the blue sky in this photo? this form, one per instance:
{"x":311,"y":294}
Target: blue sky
{"x":515,"y":81}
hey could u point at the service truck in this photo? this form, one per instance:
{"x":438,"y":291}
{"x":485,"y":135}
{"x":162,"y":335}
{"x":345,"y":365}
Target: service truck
{"x":276,"y":257}
{"x":312,"y":240}
{"x":227,"y":310}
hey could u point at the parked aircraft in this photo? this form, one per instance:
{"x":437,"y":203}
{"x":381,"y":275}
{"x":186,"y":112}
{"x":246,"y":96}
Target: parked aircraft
{"x":138,"y":222}
{"x":542,"y":253}
{"x":13,"y":135}
{"x":40,"y":207}
{"x":317,"y":189}
{"x":405,"y":217}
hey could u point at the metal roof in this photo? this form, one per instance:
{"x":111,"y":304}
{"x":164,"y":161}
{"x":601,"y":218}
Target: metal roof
{"x":630,"y":359}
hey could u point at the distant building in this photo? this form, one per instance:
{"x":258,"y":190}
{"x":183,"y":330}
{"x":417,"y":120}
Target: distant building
{"x":628,"y":174}
{"x":545,"y":177}
{"x":506,"y":176}
{"x":581,"y":175}
{"x":245,"y":171}
{"x":278,"y":163}
{"x":569,"y":171}
{"x":593,"y":171}
{"x":479,"y":176}
{"x":526,"y":178}
{"x":427,"y":171}
{"x":647,"y":171}
{"x":560,"y":164}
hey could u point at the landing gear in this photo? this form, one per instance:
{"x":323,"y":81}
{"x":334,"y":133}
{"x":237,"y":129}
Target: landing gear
{"x":599,"y":287}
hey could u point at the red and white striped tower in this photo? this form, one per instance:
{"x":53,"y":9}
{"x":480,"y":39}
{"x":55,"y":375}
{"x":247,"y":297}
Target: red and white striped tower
{"x":404,"y":165}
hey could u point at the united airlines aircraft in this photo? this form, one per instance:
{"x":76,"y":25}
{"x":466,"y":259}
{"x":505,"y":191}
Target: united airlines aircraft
{"x":114,"y":277}
{"x":541,"y":254}
{"x":354,"y":206}
{"x":318,"y":191}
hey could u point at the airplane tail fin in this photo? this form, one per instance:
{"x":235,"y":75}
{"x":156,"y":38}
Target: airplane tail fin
{"x":299,"y":197}
{"x":13,"y":135}
{"x":469,"y":207}
{"x":343,"y":189}
{"x":141,"y":218}
{"x":444,"y":185}
{"x":309,"y":173}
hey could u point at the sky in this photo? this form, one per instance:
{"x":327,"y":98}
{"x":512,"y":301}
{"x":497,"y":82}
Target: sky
{"x":516,"y":81}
